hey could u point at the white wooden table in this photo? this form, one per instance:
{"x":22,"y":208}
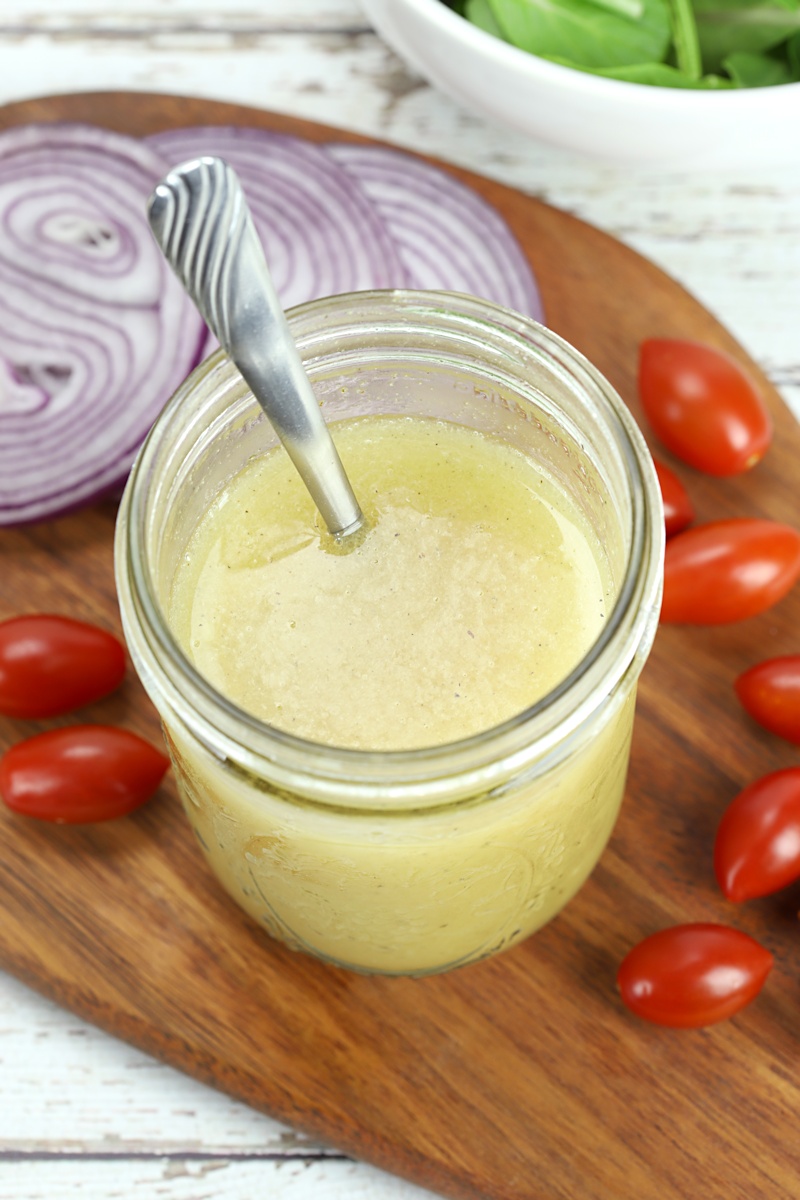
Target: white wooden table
{"x":81,"y":1114}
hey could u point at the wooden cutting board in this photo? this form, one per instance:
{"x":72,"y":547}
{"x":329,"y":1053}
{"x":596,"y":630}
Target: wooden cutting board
{"x":521,"y":1078}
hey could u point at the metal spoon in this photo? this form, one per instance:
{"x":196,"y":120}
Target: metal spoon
{"x":203,"y":226}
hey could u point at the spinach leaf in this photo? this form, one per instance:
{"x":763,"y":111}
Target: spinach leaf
{"x":727,"y":27}
{"x":793,"y":56}
{"x":657,"y":74}
{"x":583,"y":34}
{"x":759,"y":70}
{"x":625,"y":8}
{"x":705,"y":44}
{"x":685,"y":39}
{"x":480,"y":14}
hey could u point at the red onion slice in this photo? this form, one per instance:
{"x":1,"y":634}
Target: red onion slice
{"x":321,"y":235}
{"x":447,"y":236}
{"x":95,"y":333}
{"x":345,"y":217}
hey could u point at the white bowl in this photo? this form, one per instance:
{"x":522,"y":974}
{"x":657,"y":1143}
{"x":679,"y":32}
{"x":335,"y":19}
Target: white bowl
{"x":607,"y":119}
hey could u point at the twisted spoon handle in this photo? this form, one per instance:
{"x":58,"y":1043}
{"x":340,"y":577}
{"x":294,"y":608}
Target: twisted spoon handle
{"x":201,"y":221}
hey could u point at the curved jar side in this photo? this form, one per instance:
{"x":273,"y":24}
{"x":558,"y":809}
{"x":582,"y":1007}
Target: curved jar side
{"x":414,"y":862}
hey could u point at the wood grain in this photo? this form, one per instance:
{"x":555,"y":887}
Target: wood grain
{"x":521,"y":1077}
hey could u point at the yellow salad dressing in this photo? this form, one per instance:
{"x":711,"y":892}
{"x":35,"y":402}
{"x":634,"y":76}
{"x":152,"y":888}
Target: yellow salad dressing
{"x":475,"y":589}
{"x":477,"y":586}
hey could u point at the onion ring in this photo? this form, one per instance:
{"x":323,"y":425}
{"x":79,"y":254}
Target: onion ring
{"x":95,"y":333}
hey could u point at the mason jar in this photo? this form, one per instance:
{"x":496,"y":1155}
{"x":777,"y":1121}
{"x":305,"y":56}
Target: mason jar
{"x":403,"y":862}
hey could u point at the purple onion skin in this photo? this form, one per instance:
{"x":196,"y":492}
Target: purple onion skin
{"x":96,"y":334}
{"x":417,"y":226}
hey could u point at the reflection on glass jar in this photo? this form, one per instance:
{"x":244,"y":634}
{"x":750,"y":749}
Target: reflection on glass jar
{"x":410,"y":845}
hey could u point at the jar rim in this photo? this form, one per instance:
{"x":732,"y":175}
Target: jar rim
{"x":232,"y":733}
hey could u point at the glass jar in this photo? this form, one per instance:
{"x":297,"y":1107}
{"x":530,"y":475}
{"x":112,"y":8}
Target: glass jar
{"x":416,"y":861}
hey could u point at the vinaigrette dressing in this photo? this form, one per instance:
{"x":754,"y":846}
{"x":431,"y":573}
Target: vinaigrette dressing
{"x":475,"y":589}
{"x":514,"y":540}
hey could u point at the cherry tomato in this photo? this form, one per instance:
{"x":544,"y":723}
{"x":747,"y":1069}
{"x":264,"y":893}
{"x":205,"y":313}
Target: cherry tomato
{"x":80,"y":774}
{"x":51,"y":665}
{"x":678,"y":509}
{"x":703,"y":406}
{"x":770,"y":693}
{"x":757,"y":847}
{"x":728,"y":570}
{"x":693,"y":975}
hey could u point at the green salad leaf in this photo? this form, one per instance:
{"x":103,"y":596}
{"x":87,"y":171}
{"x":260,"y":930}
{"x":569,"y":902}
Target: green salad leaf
{"x":759,"y":70}
{"x":705,"y":44}
{"x":583,"y":32}
{"x":741,"y":26}
{"x":686,"y":39}
{"x":480,"y":14}
{"x":656,"y":74}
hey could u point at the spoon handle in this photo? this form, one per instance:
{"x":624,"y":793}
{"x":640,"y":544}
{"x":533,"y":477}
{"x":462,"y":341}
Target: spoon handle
{"x":201,"y":221}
